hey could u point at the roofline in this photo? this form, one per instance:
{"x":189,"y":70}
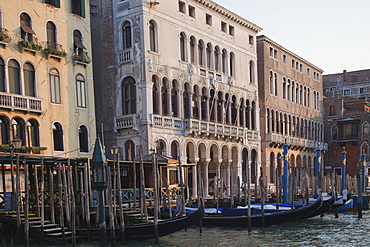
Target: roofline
{"x":264,"y":38}
{"x":229,"y":14}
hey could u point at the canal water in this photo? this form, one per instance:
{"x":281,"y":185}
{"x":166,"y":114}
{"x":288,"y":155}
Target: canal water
{"x":347,"y":230}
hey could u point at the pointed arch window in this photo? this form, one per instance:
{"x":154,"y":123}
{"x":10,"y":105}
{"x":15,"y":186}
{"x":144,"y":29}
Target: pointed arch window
{"x":155,"y":92}
{"x":365,"y":130}
{"x":58,"y":137}
{"x":2,"y":75}
{"x":4,"y":130}
{"x":55,"y":86}
{"x":334,"y":133}
{"x":153,"y":36}
{"x":232,"y":64}
{"x":51,"y":35}
{"x":217,"y":58}
{"x":126,"y":36}
{"x":174,"y":99}
{"x":128,"y":96}
{"x":81,"y":91}
{"x":209,"y":56}
{"x":251,"y":72}
{"x":182,"y":47}
{"x":32,"y":129}
{"x":83,"y":138}
{"x":29,"y":80}
{"x":164,"y":95}
{"x":224,"y":61}
{"x":14,"y":77}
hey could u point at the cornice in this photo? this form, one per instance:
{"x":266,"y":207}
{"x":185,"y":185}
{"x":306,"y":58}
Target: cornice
{"x":229,"y":15}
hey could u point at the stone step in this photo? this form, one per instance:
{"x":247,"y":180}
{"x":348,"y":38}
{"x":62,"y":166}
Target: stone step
{"x":52,"y":229}
{"x":59,"y":234}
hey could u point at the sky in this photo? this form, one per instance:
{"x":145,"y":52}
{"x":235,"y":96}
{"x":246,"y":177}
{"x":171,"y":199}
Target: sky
{"x":334,"y":35}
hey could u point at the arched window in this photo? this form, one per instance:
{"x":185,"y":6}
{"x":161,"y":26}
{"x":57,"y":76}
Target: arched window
{"x":78,"y":46}
{"x":174,"y":99}
{"x":130,"y":150}
{"x":232,"y":64}
{"x":284,"y":88}
{"x":217,"y":58}
{"x":182,"y":47}
{"x":365,"y":130}
{"x":201,"y":53}
{"x":83,"y":138}
{"x":26,"y":28}
{"x":55,"y":86}
{"x":58,"y":137}
{"x":174,"y":150}
{"x":186,"y":101}
{"x":155,"y":92}
{"x":276,"y":84}
{"x":164,"y":95}
{"x":271,"y":79}
{"x":195,"y":102}
{"x":32,"y":129}
{"x":153,"y":36}
{"x":14,"y":77}
{"x":80,"y":91}
{"x":224,"y":61}
{"x":18,"y":129}
{"x":4,"y":130}
{"x":192,"y":50}
{"x":251,"y":72}
{"x":209,"y":56}
{"x":29,"y":80}
{"x":128,"y":96}
{"x":2,"y":75}
{"x":272,"y":167}
{"x":51,"y":35}
{"x":126,"y":36}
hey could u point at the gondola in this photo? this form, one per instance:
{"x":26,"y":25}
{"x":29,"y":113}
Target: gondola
{"x":264,"y":220}
{"x":143,"y":231}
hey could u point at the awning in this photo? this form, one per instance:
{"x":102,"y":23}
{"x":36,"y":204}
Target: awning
{"x":26,"y":28}
{"x":78,"y":43}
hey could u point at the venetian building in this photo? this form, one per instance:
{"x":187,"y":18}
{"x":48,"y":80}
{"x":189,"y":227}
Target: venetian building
{"x":181,"y":77}
{"x":291,"y":96}
{"x":46,"y":87}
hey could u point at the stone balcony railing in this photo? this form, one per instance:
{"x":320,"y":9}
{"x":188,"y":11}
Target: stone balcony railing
{"x":189,"y":126}
{"x":21,"y":102}
{"x":278,"y":138}
{"x":125,"y":56}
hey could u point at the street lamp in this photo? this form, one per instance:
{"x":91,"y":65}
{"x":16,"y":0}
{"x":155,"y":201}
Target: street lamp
{"x":99,"y":182}
{"x":17,"y":144}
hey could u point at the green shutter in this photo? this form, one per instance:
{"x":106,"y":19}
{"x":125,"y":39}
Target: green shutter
{"x":83,"y":8}
{"x":57,"y":3}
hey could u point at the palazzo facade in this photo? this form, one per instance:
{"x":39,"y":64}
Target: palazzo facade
{"x":179,"y":77}
{"x":291,"y":103}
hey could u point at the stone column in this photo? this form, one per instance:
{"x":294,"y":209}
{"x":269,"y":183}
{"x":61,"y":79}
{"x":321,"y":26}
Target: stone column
{"x":205,"y":178}
{"x":227,"y":163}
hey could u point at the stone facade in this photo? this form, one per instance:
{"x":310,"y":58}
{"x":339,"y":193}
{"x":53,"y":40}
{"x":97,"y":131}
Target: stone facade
{"x":290,"y":95}
{"x":179,"y":77}
{"x":46,"y":94}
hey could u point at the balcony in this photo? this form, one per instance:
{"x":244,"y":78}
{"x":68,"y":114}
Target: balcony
{"x":125,"y":56}
{"x":21,"y":103}
{"x":54,"y":50}
{"x":294,"y":141}
{"x":31,"y":45}
{"x":82,"y":59}
{"x":5,"y":37}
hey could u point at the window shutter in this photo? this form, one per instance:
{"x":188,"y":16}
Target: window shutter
{"x":57,"y":3}
{"x":83,"y":8}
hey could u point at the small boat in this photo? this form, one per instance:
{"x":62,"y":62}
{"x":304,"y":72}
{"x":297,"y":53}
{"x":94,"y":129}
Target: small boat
{"x":143,"y":231}
{"x":266,"y":219}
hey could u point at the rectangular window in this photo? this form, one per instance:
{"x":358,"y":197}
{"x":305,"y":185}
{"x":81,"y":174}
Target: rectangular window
{"x":275,"y":54}
{"x":284,"y":58}
{"x":271,"y":52}
{"x":300,"y":67}
{"x":191,"y":11}
{"x":332,"y":89}
{"x":182,"y":7}
{"x":308,"y":71}
{"x":231,"y":30}
{"x":293,"y":63}
{"x":346,"y":92}
{"x":363,"y":90}
{"x":81,"y":93}
{"x":55,"y":3}
{"x":223,"y":26}
{"x":78,"y":7}
{"x":209,"y":19}
{"x":251,"y":39}
{"x":129,"y":100}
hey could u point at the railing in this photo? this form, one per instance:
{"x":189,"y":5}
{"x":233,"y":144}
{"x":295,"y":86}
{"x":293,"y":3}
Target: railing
{"x":278,"y":138}
{"x":125,"y":56}
{"x":5,"y":36}
{"x":20,"y":102}
{"x":128,"y":195}
{"x":54,"y":49}
{"x":123,"y":122}
{"x":83,"y":59}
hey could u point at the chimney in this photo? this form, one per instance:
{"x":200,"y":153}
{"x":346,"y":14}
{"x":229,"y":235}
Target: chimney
{"x":344,"y":75}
